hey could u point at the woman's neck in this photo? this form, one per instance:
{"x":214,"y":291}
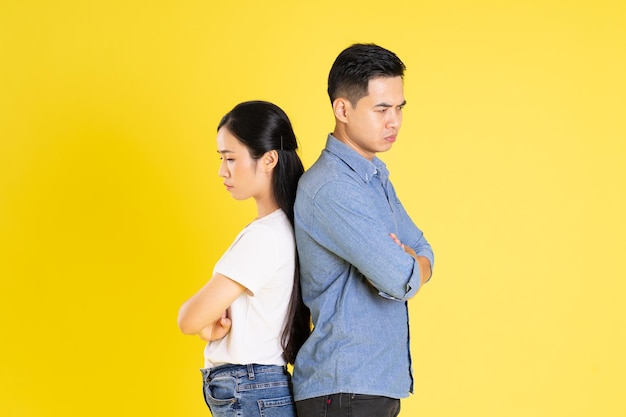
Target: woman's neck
{"x":266,"y":207}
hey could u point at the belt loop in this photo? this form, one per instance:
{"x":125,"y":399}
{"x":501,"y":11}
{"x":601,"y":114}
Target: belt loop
{"x":250,"y":371}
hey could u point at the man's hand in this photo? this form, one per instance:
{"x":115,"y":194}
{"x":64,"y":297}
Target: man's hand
{"x":407,"y":249}
{"x":422,"y":261}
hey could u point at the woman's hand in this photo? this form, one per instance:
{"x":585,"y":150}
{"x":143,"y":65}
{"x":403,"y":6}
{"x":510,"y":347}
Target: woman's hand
{"x":217,"y":330}
{"x":205,"y":311}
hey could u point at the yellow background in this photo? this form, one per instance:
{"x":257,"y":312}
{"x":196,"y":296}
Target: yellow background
{"x":511,"y":159}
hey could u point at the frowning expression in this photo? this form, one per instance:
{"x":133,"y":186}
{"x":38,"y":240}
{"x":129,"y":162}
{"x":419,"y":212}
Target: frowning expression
{"x":373,"y":123}
{"x":244,"y":177}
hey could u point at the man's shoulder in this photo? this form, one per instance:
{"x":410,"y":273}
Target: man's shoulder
{"x":327,"y":168}
{"x":322,"y":171}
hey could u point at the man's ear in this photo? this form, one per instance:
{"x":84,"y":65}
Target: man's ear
{"x":269,"y":160}
{"x":340,"y":107}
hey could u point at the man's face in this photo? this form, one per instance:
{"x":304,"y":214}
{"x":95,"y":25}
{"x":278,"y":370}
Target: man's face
{"x":373,"y":124}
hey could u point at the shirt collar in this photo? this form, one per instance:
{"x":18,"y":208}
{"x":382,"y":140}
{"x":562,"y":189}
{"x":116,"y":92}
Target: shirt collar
{"x":365,"y":168}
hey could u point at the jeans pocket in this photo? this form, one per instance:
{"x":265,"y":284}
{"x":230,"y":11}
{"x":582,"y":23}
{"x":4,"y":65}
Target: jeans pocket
{"x":277,"y":407}
{"x":219,"y":395}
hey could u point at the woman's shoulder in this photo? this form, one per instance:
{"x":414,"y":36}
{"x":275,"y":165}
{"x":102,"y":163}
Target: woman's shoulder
{"x":274,"y":225}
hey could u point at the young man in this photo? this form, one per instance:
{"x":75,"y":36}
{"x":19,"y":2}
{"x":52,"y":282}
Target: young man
{"x":361,"y":256}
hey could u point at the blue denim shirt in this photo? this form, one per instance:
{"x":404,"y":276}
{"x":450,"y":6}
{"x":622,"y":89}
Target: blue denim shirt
{"x":355,"y":279}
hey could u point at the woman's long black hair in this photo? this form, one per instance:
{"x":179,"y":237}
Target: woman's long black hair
{"x":262,"y":126}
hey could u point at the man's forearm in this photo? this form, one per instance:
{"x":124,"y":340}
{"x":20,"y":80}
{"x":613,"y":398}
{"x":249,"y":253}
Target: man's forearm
{"x":425,"y":268}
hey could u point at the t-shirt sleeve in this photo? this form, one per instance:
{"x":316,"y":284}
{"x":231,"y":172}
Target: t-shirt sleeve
{"x":252,"y":259}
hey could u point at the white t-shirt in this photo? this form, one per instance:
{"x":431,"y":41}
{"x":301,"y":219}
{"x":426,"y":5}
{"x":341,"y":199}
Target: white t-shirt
{"x":262,"y":259}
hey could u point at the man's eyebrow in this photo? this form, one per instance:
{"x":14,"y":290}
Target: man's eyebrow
{"x":390,"y":105}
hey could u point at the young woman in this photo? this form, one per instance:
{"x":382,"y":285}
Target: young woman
{"x":251,"y":311}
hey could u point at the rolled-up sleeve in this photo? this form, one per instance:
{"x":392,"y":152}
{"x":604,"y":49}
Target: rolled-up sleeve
{"x":349,"y":223}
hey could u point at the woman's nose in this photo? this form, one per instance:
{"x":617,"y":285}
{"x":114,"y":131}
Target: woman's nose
{"x":223,"y":171}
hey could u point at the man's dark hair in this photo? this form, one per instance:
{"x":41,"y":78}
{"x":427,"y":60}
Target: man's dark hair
{"x":356,"y":65}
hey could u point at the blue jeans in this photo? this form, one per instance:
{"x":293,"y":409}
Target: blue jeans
{"x":248,"y":390}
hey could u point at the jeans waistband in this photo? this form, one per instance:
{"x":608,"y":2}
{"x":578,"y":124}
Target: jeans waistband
{"x":240,"y":371}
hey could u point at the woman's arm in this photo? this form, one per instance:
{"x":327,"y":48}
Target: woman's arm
{"x":217,"y":330}
{"x":199,"y":314}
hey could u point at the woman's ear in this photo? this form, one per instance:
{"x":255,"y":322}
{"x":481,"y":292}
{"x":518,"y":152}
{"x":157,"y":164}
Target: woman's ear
{"x":270,"y":159}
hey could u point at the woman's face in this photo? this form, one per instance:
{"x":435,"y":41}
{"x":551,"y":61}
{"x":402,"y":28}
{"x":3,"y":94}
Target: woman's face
{"x":243,"y":176}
